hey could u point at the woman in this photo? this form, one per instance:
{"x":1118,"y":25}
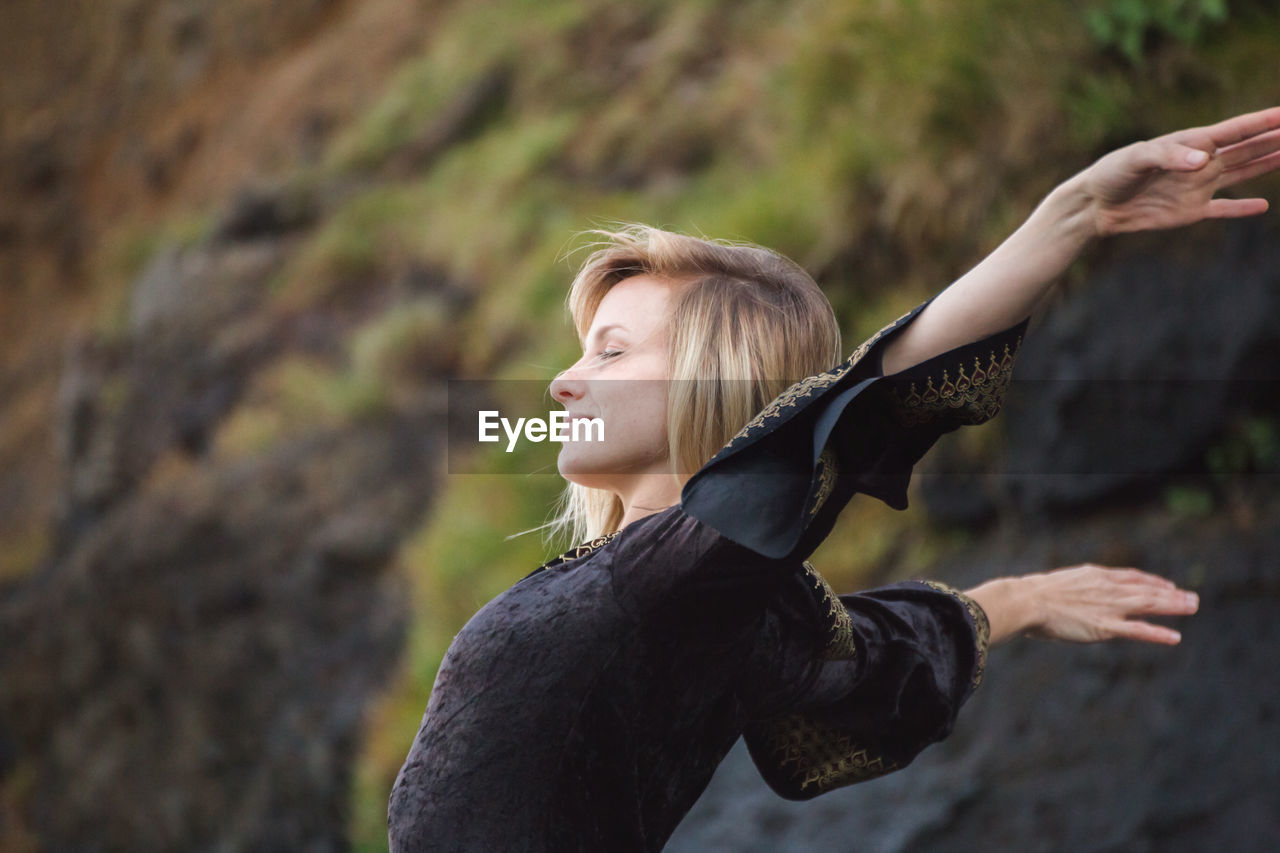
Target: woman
{"x":587,"y":707}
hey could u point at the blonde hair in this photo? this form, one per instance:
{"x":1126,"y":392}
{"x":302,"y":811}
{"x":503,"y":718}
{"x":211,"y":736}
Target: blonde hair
{"x":744,"y":312}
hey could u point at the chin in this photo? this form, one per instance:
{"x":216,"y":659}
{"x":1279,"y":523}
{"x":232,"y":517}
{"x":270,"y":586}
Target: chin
{"x":585,"y":472}
{"x":596,"y":468}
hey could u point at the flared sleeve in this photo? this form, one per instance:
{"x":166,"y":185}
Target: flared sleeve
{"x":883,"y":677}
{"x":779,"y":484}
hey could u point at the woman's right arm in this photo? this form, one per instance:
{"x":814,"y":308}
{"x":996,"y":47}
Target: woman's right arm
{"x":1083,"y":604}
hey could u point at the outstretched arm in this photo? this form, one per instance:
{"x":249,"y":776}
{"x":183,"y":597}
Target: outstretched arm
{"x":1159,"y":183}
{"x":1083,"y":604}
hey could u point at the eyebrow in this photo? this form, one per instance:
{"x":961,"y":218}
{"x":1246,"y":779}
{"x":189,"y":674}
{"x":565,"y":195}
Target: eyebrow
{"x":600,"y":331}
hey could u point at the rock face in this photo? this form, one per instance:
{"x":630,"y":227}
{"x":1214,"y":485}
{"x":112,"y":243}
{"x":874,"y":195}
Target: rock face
{"x":1171,"y":349}
{"x":194,"y":671}
{"x":1136,"y":380}
{"x":189,"y":668}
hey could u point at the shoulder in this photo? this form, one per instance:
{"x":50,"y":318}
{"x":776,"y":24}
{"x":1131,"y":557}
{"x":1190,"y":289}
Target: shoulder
{"x":673,"y":553}
{"x":672,"y":532}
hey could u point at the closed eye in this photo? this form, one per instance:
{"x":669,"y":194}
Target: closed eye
{"x":609,"y":353}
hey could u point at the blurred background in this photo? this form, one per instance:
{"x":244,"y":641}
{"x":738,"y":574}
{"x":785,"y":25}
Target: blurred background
{"x":245,"y":244}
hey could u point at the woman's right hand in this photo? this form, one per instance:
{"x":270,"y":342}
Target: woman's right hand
{"x":1087,"y":603}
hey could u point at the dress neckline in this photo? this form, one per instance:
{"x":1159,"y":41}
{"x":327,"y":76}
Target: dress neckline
{"x":575,"y":552}
{"x":593,"y":544}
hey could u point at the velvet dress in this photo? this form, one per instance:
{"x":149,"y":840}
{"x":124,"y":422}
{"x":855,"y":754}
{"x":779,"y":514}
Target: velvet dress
{"x":587,"y":707}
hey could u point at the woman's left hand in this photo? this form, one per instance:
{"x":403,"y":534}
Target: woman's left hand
{"x":1083,"y":604}
{"x":1158,"y":184}
{"x":1091,"y":603}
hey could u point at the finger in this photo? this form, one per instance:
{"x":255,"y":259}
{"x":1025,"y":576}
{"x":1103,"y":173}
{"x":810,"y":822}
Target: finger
{"x":1137,"y":576}
{"x":1167,"y":602}
{"x":1232,"y":130}
{"x":1250,"y":149}
{"x":1146,"y":632}
{"x":1232,"y":208}
{"x":1166,"y":154}
{"x":1250,"y":170}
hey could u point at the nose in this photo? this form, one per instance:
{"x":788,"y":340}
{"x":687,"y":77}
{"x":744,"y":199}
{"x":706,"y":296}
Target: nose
{"x":567,"y":387}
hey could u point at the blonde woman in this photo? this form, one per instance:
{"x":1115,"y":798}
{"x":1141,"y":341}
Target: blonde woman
{"x":587,"y":707}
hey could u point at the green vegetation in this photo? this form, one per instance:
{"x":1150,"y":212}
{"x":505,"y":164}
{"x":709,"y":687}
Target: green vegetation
{"x":1129,"y":26}
{"x":127,"y":256}
{"x":1188,"y":501}
{"x":297,"y":395}
{"x":1252,"y":446}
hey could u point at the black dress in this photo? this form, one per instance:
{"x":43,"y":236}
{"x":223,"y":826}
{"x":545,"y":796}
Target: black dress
{"x":587,"y":707}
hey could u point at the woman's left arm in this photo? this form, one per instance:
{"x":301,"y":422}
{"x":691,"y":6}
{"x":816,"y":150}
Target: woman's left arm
{"x":1083,"y":604}
{"x":1159,"y":183}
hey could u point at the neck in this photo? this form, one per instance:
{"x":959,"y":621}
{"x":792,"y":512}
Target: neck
{"x":647,"y":494}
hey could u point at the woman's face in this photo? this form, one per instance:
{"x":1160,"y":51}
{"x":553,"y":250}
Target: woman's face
{"x":621,"y":379}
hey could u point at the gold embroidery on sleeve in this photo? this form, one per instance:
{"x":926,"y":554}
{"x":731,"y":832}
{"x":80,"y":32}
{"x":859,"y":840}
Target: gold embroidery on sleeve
{"x":982,"y":626}
{"x":828,"y":468}
{"x":838,"y":626}
{"x":801,"y":390}
{"x":974,"y":396}
{"x":815,"y":753}
{"x":810,"y":385}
